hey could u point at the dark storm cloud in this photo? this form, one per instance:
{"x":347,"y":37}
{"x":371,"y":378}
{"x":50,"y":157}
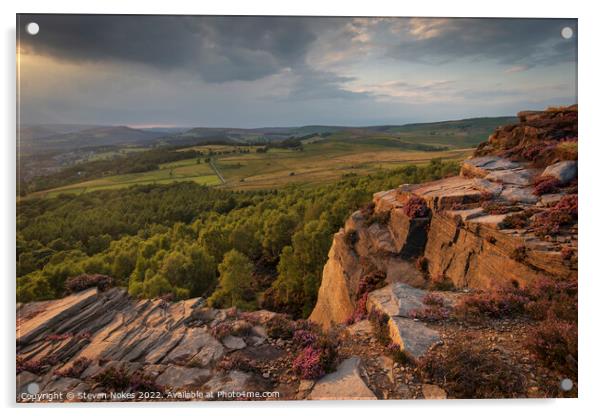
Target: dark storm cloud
{"x":218,"y":48}
{"x":507,"y":41}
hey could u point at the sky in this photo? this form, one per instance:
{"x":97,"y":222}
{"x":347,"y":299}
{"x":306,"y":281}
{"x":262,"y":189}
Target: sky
{"x":251,"y":71}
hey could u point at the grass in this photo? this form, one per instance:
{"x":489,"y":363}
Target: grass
{"x":183,"y":170}
{"x":320,"y":162}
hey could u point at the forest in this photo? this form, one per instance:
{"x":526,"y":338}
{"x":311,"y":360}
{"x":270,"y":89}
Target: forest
{"x":250,"y":249}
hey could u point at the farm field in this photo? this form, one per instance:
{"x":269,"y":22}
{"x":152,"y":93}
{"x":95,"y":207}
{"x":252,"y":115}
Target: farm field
{"x":183,"y":170}
{"x":320,"y":161}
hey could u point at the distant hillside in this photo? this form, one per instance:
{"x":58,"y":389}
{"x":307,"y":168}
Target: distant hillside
{"x":92,"y":137}
{"x":30,"y":132}
{"x":455,"y":133}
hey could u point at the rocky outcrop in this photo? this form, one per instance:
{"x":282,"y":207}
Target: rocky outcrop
{"x":65,"y":345}
{"x":484,"y":229}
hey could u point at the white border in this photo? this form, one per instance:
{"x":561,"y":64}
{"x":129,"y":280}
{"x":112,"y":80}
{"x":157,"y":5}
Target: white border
{"x":590,"y":160}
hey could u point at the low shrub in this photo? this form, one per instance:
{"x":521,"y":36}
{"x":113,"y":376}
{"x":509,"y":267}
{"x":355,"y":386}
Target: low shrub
{"x":517,"y":220}
{"x":433,"y":299}
{"x":564,"y":213}
{"x":280,"y":327}
{"x":359,"y":312}
{"x":369,"y":282}
{"x":497,"y":304}
{"x":86,"y":281}
{"x":144,"y":383}
{"x":399,"y":356}
{"x":416,"y":207}
{"x":76,"y":369}
{"x":546,"y":185}
{"x":469,"y":371}
{"x":380,"y":326}
{"x":318,"y":357}
{"x":540,"y":300}
{"x":34,"y":366}
{"x":555,"y":343}
{"x":308,"y":364}
{"x":435,"y":309}
{"x":238,"y":362}
{"x":114,"y":378}
{"x":304,"y":337}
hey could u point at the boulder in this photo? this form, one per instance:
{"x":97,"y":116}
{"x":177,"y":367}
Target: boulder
{"x":521,"y":177}
{"x":433,"y":392}
{"x":482,"y":166}
{"x":396,"y":299}
{"x":195,"y":341}
{"x":492,"y":188}
{"x":523,"y":195}
{"x":564,"y":171}
{"x":344,"y":384}
{"x":177,"y":377}
{"x":233,"y":343}
{"x":414,"y":338}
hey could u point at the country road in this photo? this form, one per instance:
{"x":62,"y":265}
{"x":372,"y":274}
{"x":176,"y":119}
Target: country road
{"x":217,"y":172}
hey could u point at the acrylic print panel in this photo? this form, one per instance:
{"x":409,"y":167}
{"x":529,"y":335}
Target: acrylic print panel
{"x":295,"y":208}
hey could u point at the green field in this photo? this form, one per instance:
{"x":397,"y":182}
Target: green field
{"x":322,"y":159}
{"x":319,"y":162}
{"x":183,"y":170}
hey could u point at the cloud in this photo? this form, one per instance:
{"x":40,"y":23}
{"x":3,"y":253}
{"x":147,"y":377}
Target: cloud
{"x":516,"y":68}
{"x":506,"y":41}
{"x":218,"y":48}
